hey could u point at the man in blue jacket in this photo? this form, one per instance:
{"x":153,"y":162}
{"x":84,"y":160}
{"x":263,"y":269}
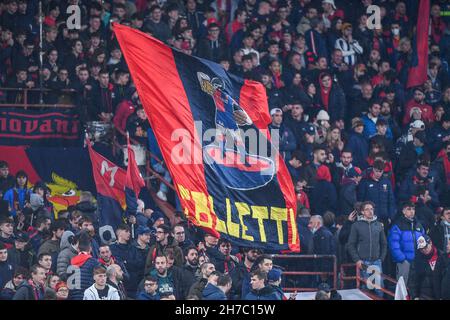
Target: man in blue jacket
{"x":402,"y":239}
{"x":260,"y":291}
{"x":218,"y":291}
{"x":370,"y":121}
{"x":19,"y":196}
{"x":378,"y":189}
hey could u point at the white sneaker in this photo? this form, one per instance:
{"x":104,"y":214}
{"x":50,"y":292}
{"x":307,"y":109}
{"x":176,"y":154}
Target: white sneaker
{"x":161,"y":195}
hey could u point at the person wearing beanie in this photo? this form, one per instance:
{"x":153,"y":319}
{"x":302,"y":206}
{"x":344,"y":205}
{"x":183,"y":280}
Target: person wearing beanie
{"x":136,"y":260}
{"x":62,"y":290}
{"x":358,"y":144}
{"x":274,"y":281}
{"x":348,"y":190}
{"x":427,"y":271}
{"x":322,"y":126}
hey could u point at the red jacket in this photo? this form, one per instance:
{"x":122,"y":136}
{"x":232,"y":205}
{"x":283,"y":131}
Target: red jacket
{"x":427,"y":112}
{"x":124,"y":110}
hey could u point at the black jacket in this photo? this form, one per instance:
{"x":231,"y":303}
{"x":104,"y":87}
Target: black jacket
{"x":336,"y":103}
{"x":424,"y":279}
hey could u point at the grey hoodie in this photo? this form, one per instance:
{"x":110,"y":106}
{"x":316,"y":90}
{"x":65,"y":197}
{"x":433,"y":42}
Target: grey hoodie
{"x":367,"y":240}
{"x":65,"y":255}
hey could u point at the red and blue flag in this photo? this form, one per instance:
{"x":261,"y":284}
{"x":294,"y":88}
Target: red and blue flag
{"x":202,"y":117}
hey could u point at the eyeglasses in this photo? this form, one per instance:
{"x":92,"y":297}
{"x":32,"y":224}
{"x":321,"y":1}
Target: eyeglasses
{"x":63,"y":290}
{"x":149,"y":284}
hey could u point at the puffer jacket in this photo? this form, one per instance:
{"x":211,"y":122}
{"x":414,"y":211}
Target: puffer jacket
{"x":402,"y":239}
{"x":65,"y":255}
{"x":367,"y":240}
{"x":87,"y":264}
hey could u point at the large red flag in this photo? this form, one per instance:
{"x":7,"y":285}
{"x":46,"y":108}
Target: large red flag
{"x":417,"y":74}
{"x":244,"y":195}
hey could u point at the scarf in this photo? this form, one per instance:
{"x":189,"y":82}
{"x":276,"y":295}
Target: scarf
{"x":433,"y":258}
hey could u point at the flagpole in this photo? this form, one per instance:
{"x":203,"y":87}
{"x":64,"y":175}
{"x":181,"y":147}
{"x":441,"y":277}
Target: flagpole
{"x":41,"y":98}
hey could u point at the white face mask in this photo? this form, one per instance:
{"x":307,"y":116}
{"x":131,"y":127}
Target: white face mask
{"x":395,"y":32}
{"x":313,"y":230}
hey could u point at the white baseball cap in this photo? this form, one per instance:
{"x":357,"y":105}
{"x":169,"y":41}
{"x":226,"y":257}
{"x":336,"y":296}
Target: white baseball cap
{"x":330,"y":2}
{"x":275,"y":110}
{"x":418,"y":124}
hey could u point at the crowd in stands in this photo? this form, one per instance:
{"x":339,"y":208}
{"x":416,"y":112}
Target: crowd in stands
{"x":369,"y":157}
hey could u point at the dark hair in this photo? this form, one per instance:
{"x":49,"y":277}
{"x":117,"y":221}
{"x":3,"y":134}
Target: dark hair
{"x":261,"y":258}
{"x":151,"y":278}
{"x":58,"y":224}
{"x":42,"y":255}
{"x":33,"y":269}
{"x":260,"y":274}
{"x":379,"y":165}
{"x":164,"y":227}
{"x":223,"y":280}
{"x":191,"y":247}
{"x":407,"y":204}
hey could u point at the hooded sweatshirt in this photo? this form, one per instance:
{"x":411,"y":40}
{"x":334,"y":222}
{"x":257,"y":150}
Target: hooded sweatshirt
{"x":66,"y":254}
{"x":86,"y":264}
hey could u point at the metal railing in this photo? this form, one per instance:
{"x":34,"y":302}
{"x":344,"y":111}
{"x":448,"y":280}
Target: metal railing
{"x":357,"y":277}
{"x":148,"y":167}
{"x":309,"y":273}
{"x":27,"y":105}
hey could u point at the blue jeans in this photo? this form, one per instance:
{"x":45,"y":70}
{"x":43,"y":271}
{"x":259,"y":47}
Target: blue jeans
{"x":166,"y":175}
{"x":373,"y":275}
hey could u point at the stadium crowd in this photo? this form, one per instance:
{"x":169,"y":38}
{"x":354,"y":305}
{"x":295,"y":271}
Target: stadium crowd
{"x":369,"y":157}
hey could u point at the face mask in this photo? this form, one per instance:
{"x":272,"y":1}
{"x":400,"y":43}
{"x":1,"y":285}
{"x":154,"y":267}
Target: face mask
{"x":313,"y":230}
{"x":395,"y":32}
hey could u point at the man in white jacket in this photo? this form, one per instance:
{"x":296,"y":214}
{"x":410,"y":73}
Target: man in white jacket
{"x":100,"y":290}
